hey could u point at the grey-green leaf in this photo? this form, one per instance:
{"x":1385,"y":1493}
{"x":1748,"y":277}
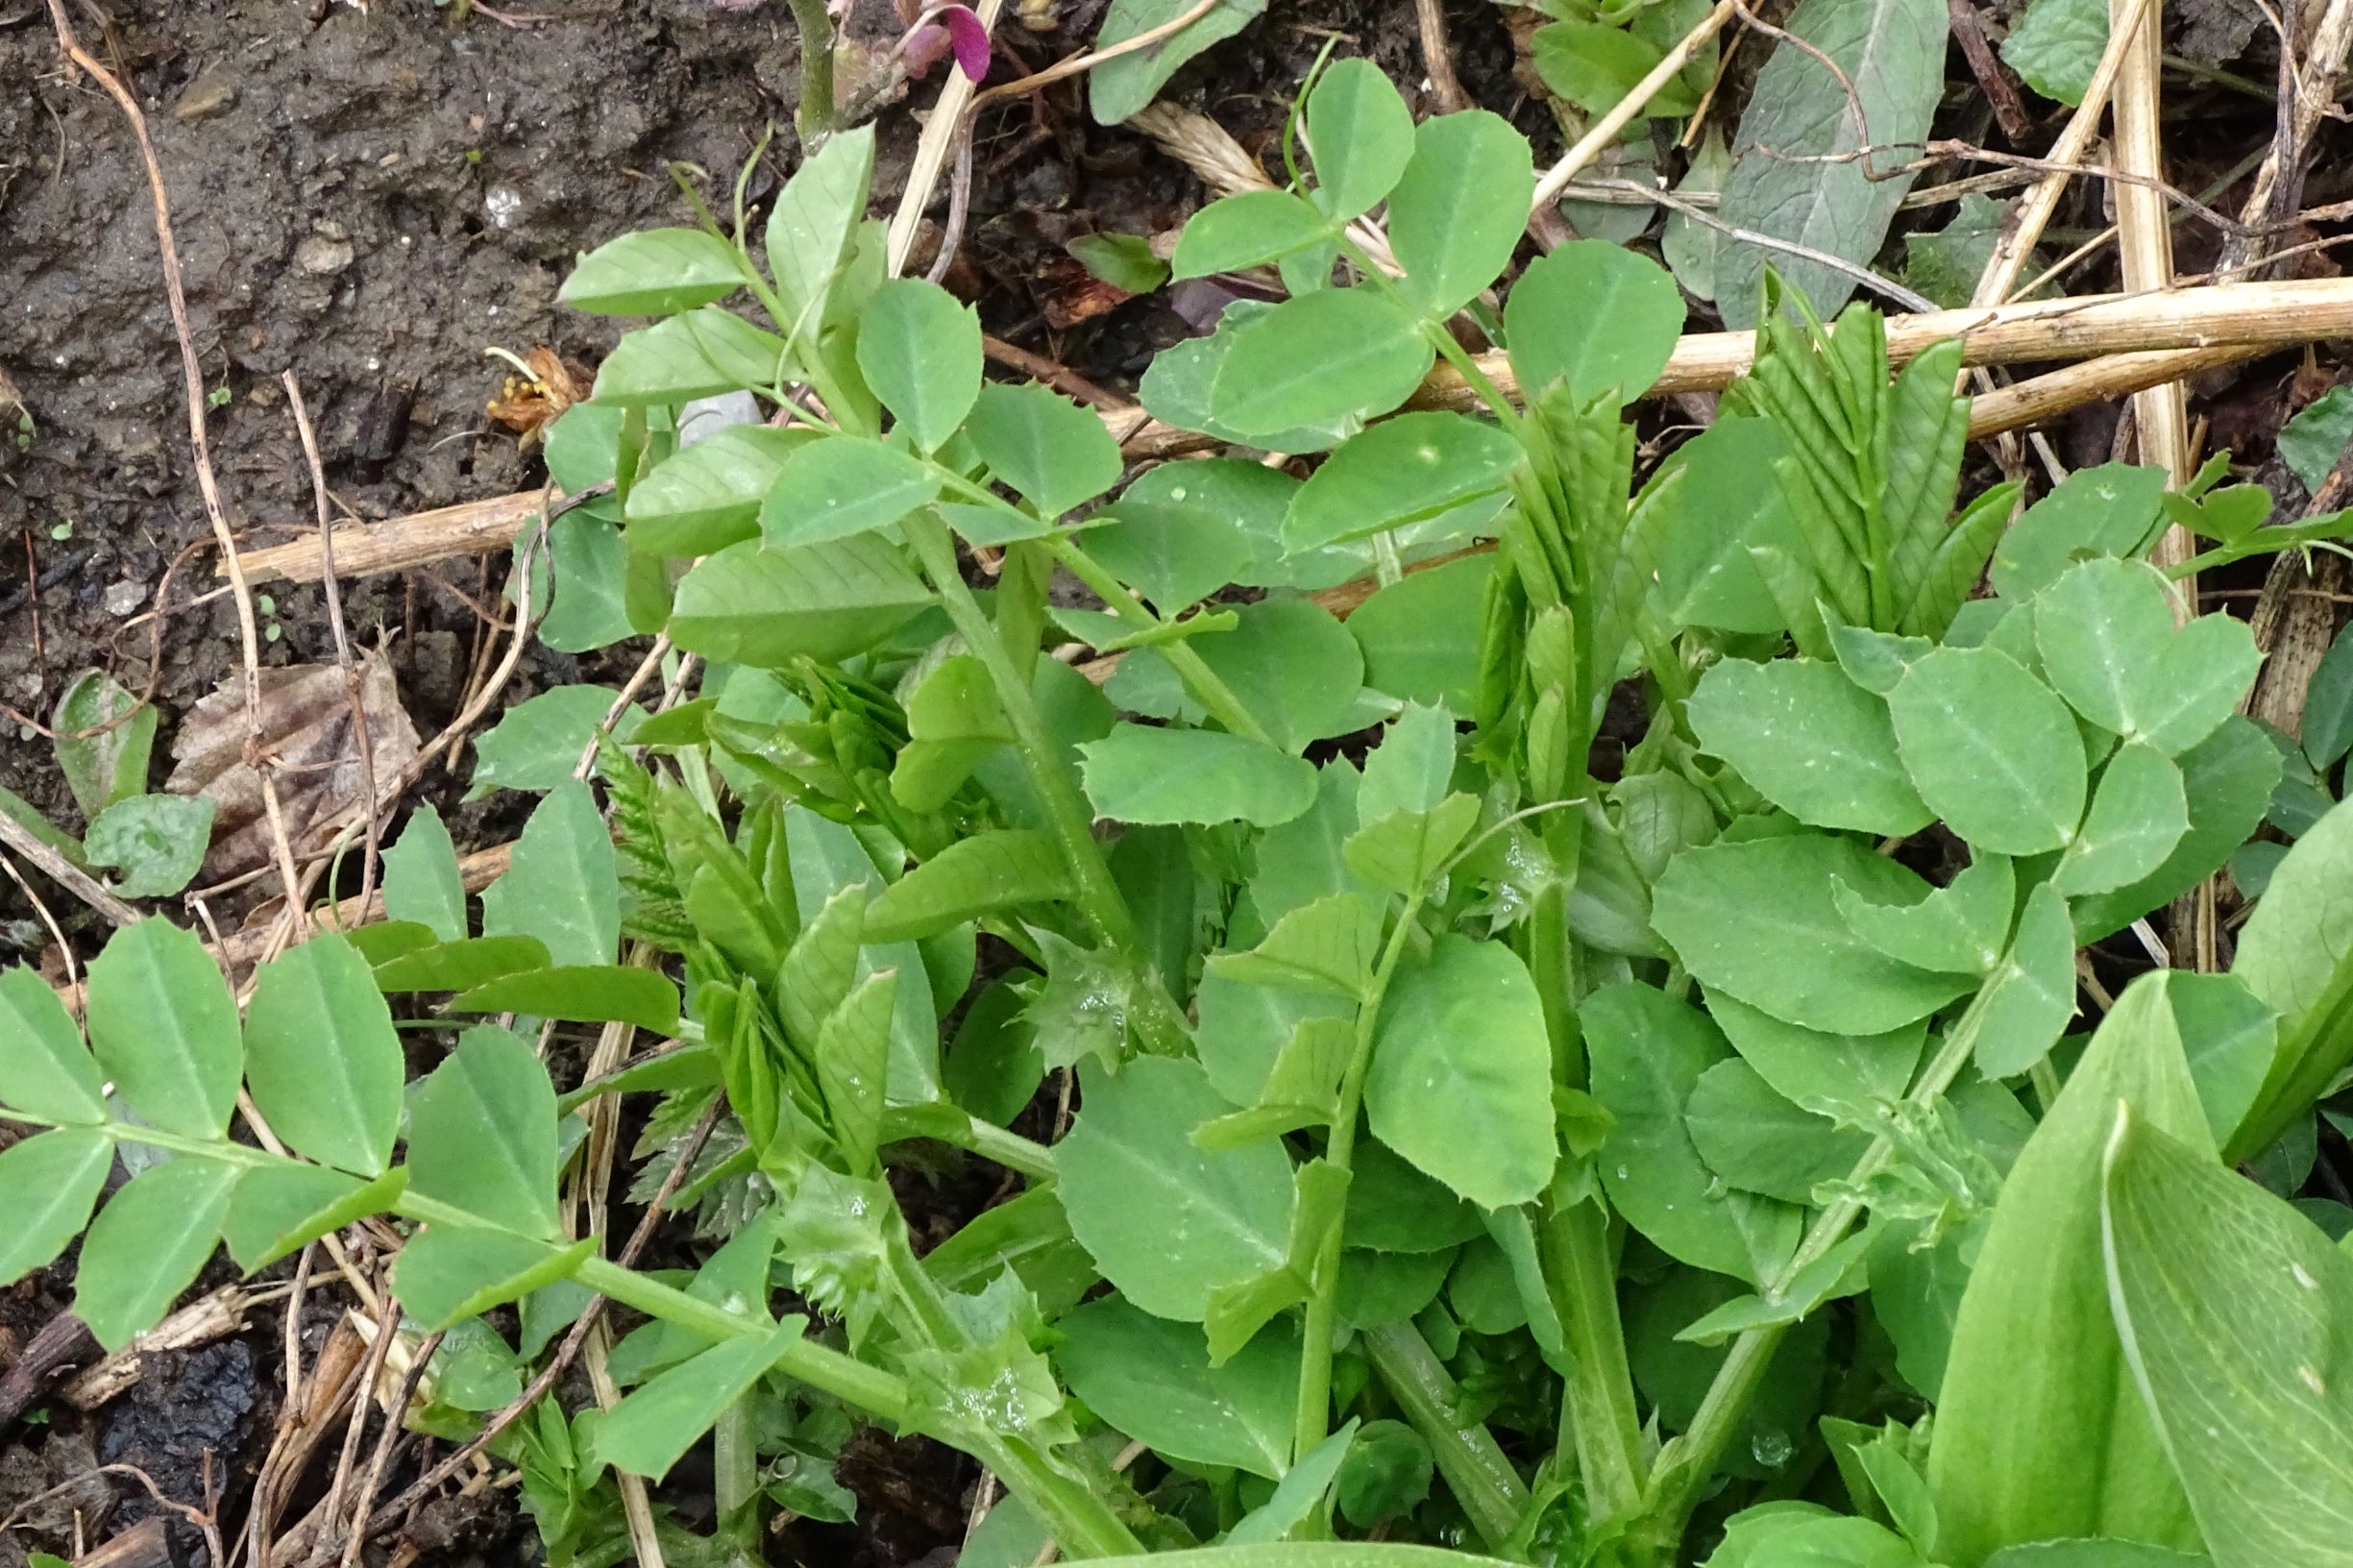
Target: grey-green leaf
{"x":1057,"y":454}
{"x":562,"y":885}
{"x":322,"y":1057}
{"x":1401,"y":471}
{"x":158,"y":841}
{"x":1460,"y":208}
{"x":1362,"y":135}
{"x":2139,"y":813}
{"x":1152,"y":1379}
{"x":1992,"y":750}
{"x":840,"y":486}
{"x":1892,"y":54}
{"x":751,"y":604}
{"x":2031,"y":996}
{"x":1960,"y":928}
{"x":653,"y":272}
{"x":1811,"y":741}
{"x":1145,"y":776}
{"x":482,"y":1133}
{"x":422,"y":880}
{"x":1760,"y":1143}
{"x":1844,"y":1076}
{"x":1461,"y":1072}
{"x":919,"y":348}
{"x":49,"y":1182}
{"x":1318,"y":359}
{"x":1165,"y":1221}
{"x":148,"y":1244}
{"x":1599,"y":316}
{"x":166,"y":1028}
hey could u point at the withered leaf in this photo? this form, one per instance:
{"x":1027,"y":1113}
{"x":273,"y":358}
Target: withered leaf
{"x":308,"y":733}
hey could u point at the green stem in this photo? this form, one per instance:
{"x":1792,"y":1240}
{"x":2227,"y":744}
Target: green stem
{"x":1598,"y":1419}
{"x":1686,"y":1463}
{"x":1207,"y":686}
{"x":1491,"y":1494}
{"x":815,"y":116}
{"x":1314,"y":1409}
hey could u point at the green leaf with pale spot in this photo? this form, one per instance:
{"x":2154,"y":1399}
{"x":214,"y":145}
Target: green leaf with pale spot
{"x":1401,"y":471}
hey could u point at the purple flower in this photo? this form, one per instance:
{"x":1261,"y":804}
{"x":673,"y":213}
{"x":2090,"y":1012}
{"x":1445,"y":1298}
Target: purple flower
{"x":950,"y":27}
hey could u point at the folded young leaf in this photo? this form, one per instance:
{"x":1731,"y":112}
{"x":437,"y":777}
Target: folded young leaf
{"x":813,"y":221}
{"x":655,"y":272}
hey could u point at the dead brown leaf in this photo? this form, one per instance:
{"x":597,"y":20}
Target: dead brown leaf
{"x":307,"y":734}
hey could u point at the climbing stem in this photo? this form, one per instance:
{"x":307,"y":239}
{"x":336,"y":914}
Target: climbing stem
{"x":1491,"y":1494}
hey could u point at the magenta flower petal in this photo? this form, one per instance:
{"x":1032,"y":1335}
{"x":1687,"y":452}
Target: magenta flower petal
{"x":970,"y":36}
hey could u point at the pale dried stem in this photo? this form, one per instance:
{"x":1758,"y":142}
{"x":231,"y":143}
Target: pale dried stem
{"x":2145,"y":245}
{"x":940,"y":134}
{"x":65,"y":873}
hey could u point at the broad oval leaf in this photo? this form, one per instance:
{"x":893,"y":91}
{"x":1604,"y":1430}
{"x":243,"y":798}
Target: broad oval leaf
{"x":751,"y":604}
{"x":148,"y":1244}
{"x":843,"y":485}
{"x":166,"y":1028}
{"x":1759,"y":1141}
{"x":1247,"y":229}
{"x":1461,"y":207}
{"x":653,"y":272}
{"x":1360,"y":135}
{"x":2139,"y":813}
{"x":919,"y":348}
{"x":422,"y":879}
{"x":812,"y":223}
{"x":2099,"y":628}
{"x":1649,"y":1052}
{"x":1992,"y":750}
{"x":1461,"y":1072}
{"x":158,"y":841}
{"x":562,"y":885}
{"x":971,"y":878}
{"x":482,"y":1133}
{"x":1844,"y":1076}
{"x":1961,"y":927}
{"x":322,"y":1057}
{"x":46,"y":1070}
{"x":1420,"y":636}
{"x":2030,"y":996}
{"x":1401,"y":471}
{"x":1811,"y":741}
{"x":1145,"y":776}
{"x":1057,"y":454}
{"x":49,"y":1180}
{"x":1293,"y":665}
{"x":699,"y":501}
{"x":1317,"y":359}
{"x":1152,"y":1379}
{"x":1599,"y":316}
{"x":1759,"y":919}
{"x":1169,"y":1222}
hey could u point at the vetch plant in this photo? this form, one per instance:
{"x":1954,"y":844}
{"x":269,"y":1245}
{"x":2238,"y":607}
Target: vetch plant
{"x":1578,"y":1061}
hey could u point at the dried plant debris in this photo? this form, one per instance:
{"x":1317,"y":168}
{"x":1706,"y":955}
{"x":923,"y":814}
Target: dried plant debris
{"x":308,"y":738}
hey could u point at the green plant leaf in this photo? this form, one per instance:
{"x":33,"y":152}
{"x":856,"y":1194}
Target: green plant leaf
{"x":1169,"y":1222}
{"x":2138,"y":814}
{"x":461,"y":966}
{"x":1152,"y":1379}
{"x":2327,"y":727}
{"x":2031,"y":996}
{"x":1460,"y":1072}
{"x":2229,"y":777}
{"x":827,"y":859}
{"x":1247,"y":229}
{"x":649,"y":1430}
{"x":1411,"y":769}
{"x":1831,"y":1275}
{"x":751,"y":604}
{"x":1593,"y":65}
{"x":1318,"y":359}
{"x":1713,"y":509}
{"x":1420,"y":636}
{"x":1760,"y":1143}
{"x":2233,"y":1310}
{"x":653,"y":272}
{"x":482,"y":1135}
{"x":1121,"y":87}
{"x":703,"y":499}
{"x":1946,"y":264}
{"x":581,"y":993}
{"x":1759,"y":919}
{"x":147,"y":1246}
{"x":1649,"y":1052}
{"x":1960,"y":928}
{"x":446,"y":1273}
{"x":1460,"y":208}
{"x":322,"y":1057}
{"x":279,"y":1209}
{"x":537,"y":742}
{"x":919,"y":348}
{"x":2039,"y":1432}
{"x":2105,"y":633}
{"x":1125,"y":261}
{"x":954,"y":723}
{"x":1362,"y":135}
{"x":975,"y":876}
{"x":1599,"y":316}
{"x":46,"y":1070}
{"x":155,"y":840}
{"x":1842,"y":1076}
{"x":1145,"y":776}
{"x":2108,"y":510}
{"x":166,"y":1028}
{"x":1294,"y":666}
{"x":2295,"y":953}
{"x":1402,"y":470}
{"x":422,"y":879}
{"x":814,"y":220}
{"x":1892,"y":54}
{"x":1811,"y":741}
{"x":2311,"y":441}
{"x":562,"y":885}
{"x":840,"y":486}
{"x":1992,"y":750}
{"x":701,"y":354}
{"x":50,"y":1182}
{"x":586,"y":599}
{"x":1402,"y":851}
{"x":1299,"y":1496}
{"x":1174,"y":556}
{"x":111,"y":766}
{"x":1055,"y":453}
{"x":2057,"y":46}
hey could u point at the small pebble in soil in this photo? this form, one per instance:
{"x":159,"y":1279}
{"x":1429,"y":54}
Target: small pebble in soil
{"x":125,"y":598}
